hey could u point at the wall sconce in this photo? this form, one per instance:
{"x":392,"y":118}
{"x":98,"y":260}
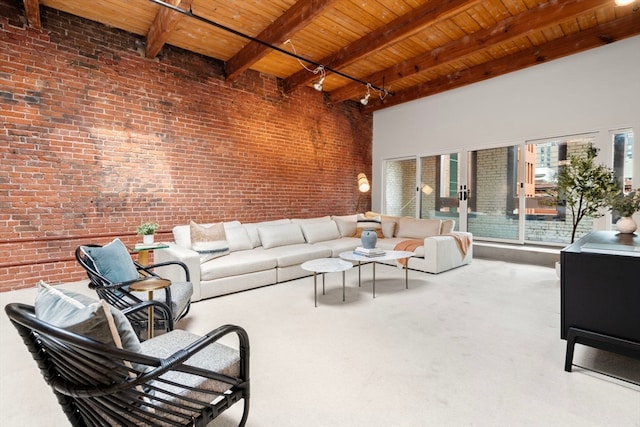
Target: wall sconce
{"x":363,"y":187}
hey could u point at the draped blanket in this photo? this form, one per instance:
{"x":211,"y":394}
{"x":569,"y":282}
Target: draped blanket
{"x":462,"y":240}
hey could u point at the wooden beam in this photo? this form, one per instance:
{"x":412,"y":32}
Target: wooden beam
{"x":530,"y":21}
{"x":32,"y":12}
{"x":612,"y":31}
{"x":164,"y":24}
{"x":428,"y":14}
{"x":283,"y":28}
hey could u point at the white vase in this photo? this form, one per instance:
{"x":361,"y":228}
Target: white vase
{"x":626,"y":225}
{"x":147,"y":239}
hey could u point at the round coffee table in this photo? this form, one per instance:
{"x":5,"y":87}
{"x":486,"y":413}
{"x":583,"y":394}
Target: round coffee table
{"x":326,"y":265}
{"x":388,"y":256}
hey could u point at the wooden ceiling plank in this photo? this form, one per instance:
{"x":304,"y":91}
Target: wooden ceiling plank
{"x":527,"y":22}
{"x":621,"y":28}
{"x":283,"y":28}
{"x":32,"y":12}
{"x":404,"y":26}
{"x":164,"y":24}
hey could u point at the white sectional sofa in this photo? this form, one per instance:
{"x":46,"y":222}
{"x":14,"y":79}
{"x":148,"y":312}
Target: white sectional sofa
{"x":271,"y":252}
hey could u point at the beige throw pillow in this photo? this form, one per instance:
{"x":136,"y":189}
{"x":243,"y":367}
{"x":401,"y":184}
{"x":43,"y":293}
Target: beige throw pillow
{"x":210,"y":242}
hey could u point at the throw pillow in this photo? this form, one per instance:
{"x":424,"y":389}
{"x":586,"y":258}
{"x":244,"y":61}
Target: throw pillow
{"x":418,"y":228}
{"x":84,"y":316}
{"x":113,"y":261}
{"x":320,"y":231}
{"x":210,"y":242}
{"x":347,"y":224}
{"x":237,"y":237}
{"x":447,"y":226}
{"x":369,"y":223}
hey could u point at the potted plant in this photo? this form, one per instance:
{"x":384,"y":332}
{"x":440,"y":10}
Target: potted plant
{"x":147,"y":230}
{"x":626,"y":205}
{"x":586,"y":187}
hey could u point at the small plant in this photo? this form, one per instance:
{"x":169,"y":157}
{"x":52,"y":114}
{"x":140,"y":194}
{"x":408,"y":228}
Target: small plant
{"x":626,"y":205}
{"x":148,"y":228}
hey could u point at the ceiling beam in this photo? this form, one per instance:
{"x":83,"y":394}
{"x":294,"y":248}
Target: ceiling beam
{"x":528,"y":22}
{"x":283,"y":28}
{"x":32,"y":12}
{"x":621,"y":28}
{"x":429,"y":13}
{"x":164,"y":24}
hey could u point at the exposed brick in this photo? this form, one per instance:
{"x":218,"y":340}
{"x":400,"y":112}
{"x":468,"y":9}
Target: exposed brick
{"x":97,"y":139}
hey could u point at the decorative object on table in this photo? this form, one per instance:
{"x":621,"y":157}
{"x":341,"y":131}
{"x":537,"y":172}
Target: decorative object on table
{"x":147,"y":231}
{"x":369,"y":238}
{"x":363,"y":187}
{"x":586,"y":187}
{"x":373,"y":252}
{"x":626,"y":205}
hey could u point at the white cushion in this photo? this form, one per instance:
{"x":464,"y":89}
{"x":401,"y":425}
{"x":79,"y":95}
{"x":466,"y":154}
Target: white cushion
{"x":182,"y":233}
{"x":210,"y":242}
{"x":237,"y":237}
{"x":273,"y":236}
{"x":447,"y":226}
{"x":252,"y":229}
{"x":316,"y":219}
{"x":347,"y":224}
{"x":320,"y":231}
{"x":418,"y":228}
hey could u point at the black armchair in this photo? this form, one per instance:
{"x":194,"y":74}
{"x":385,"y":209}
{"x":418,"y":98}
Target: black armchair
{"x":112,"y":272}
{"x":177,"y":378}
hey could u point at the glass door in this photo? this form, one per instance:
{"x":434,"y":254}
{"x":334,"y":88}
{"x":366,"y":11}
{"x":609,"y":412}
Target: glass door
{"x":438,"y":188}
{"x":400,"y":187}
{"x":493,"y":196}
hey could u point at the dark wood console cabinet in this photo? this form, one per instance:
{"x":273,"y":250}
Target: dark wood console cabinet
{"x":600,"y":293}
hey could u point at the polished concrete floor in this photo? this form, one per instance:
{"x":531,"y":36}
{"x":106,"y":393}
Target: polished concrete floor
{"x":476,"y":346}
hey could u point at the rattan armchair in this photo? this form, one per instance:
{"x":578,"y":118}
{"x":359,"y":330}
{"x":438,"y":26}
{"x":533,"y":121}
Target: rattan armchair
{"x":177,"y":379}
{"x":170,"y":304}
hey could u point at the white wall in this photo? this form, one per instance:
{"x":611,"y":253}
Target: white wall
{"x":597,"y":90}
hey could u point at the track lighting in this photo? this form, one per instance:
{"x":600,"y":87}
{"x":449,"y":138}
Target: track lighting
{"x":365,"y":100}
{"x":318,"y":85}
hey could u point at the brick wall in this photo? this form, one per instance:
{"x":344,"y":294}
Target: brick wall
{"x":97,"y":139}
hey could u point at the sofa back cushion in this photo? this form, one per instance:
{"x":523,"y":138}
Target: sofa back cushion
{"x":272,"y":236}
{"x":320,"y":231}
{"x":252,"y":229}
{"x":238,"y":238}
{"x":347,"y":224}
{"x":418,"y":228}
{"x":447,"y":226}
{"x":314,"y":219}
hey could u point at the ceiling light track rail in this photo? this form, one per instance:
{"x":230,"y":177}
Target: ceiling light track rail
{"x":190,"y":14}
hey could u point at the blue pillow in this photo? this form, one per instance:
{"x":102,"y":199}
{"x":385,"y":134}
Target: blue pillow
{"x":113,"y":261}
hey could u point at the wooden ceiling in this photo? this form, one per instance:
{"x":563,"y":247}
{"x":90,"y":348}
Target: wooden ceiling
{"x":411,"y":48}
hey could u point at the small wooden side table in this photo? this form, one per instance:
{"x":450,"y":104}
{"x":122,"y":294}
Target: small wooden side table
{"x":149,"y":285}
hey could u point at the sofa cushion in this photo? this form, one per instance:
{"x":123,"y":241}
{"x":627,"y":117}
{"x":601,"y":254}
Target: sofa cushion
{"x":113,"y":261}
{"x":447,"y":226}
{"x":237,"y":263}
{"x":296,"y":254}
{"x":418,"y":228}
{"x":273,"y":236}
{"x":209,"y":241}
{"x":320,"y":231}
{"x":252,"y":229}
{"x":347,"y":224}
{"x":238,"y":238}
{"x":315,"y":219}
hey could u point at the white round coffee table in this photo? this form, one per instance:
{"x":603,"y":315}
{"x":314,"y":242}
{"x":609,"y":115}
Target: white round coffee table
{"x":388,"y":256}
{"x":326,"y":265}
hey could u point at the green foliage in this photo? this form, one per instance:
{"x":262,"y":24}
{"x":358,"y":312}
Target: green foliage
{"x":586,"y":186}
{"x":626,"y":205}
{"x":148,"y":228}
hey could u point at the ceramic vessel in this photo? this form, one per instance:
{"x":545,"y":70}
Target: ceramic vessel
{"x":369,"y":238}
{"x":626,"y":225}
{"x":147,"y":239}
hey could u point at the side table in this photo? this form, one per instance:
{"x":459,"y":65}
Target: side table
{"x":143,"y":251}
{"x":149,"y":285}
{"x":388,"y":256}
{"x":326,"y":265}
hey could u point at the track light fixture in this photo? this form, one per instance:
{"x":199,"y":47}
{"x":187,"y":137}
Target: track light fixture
{"x":318,"y":85}
{"x":319,"y":67}
{"x":624,"y":2}
{"x":365,"y":100}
